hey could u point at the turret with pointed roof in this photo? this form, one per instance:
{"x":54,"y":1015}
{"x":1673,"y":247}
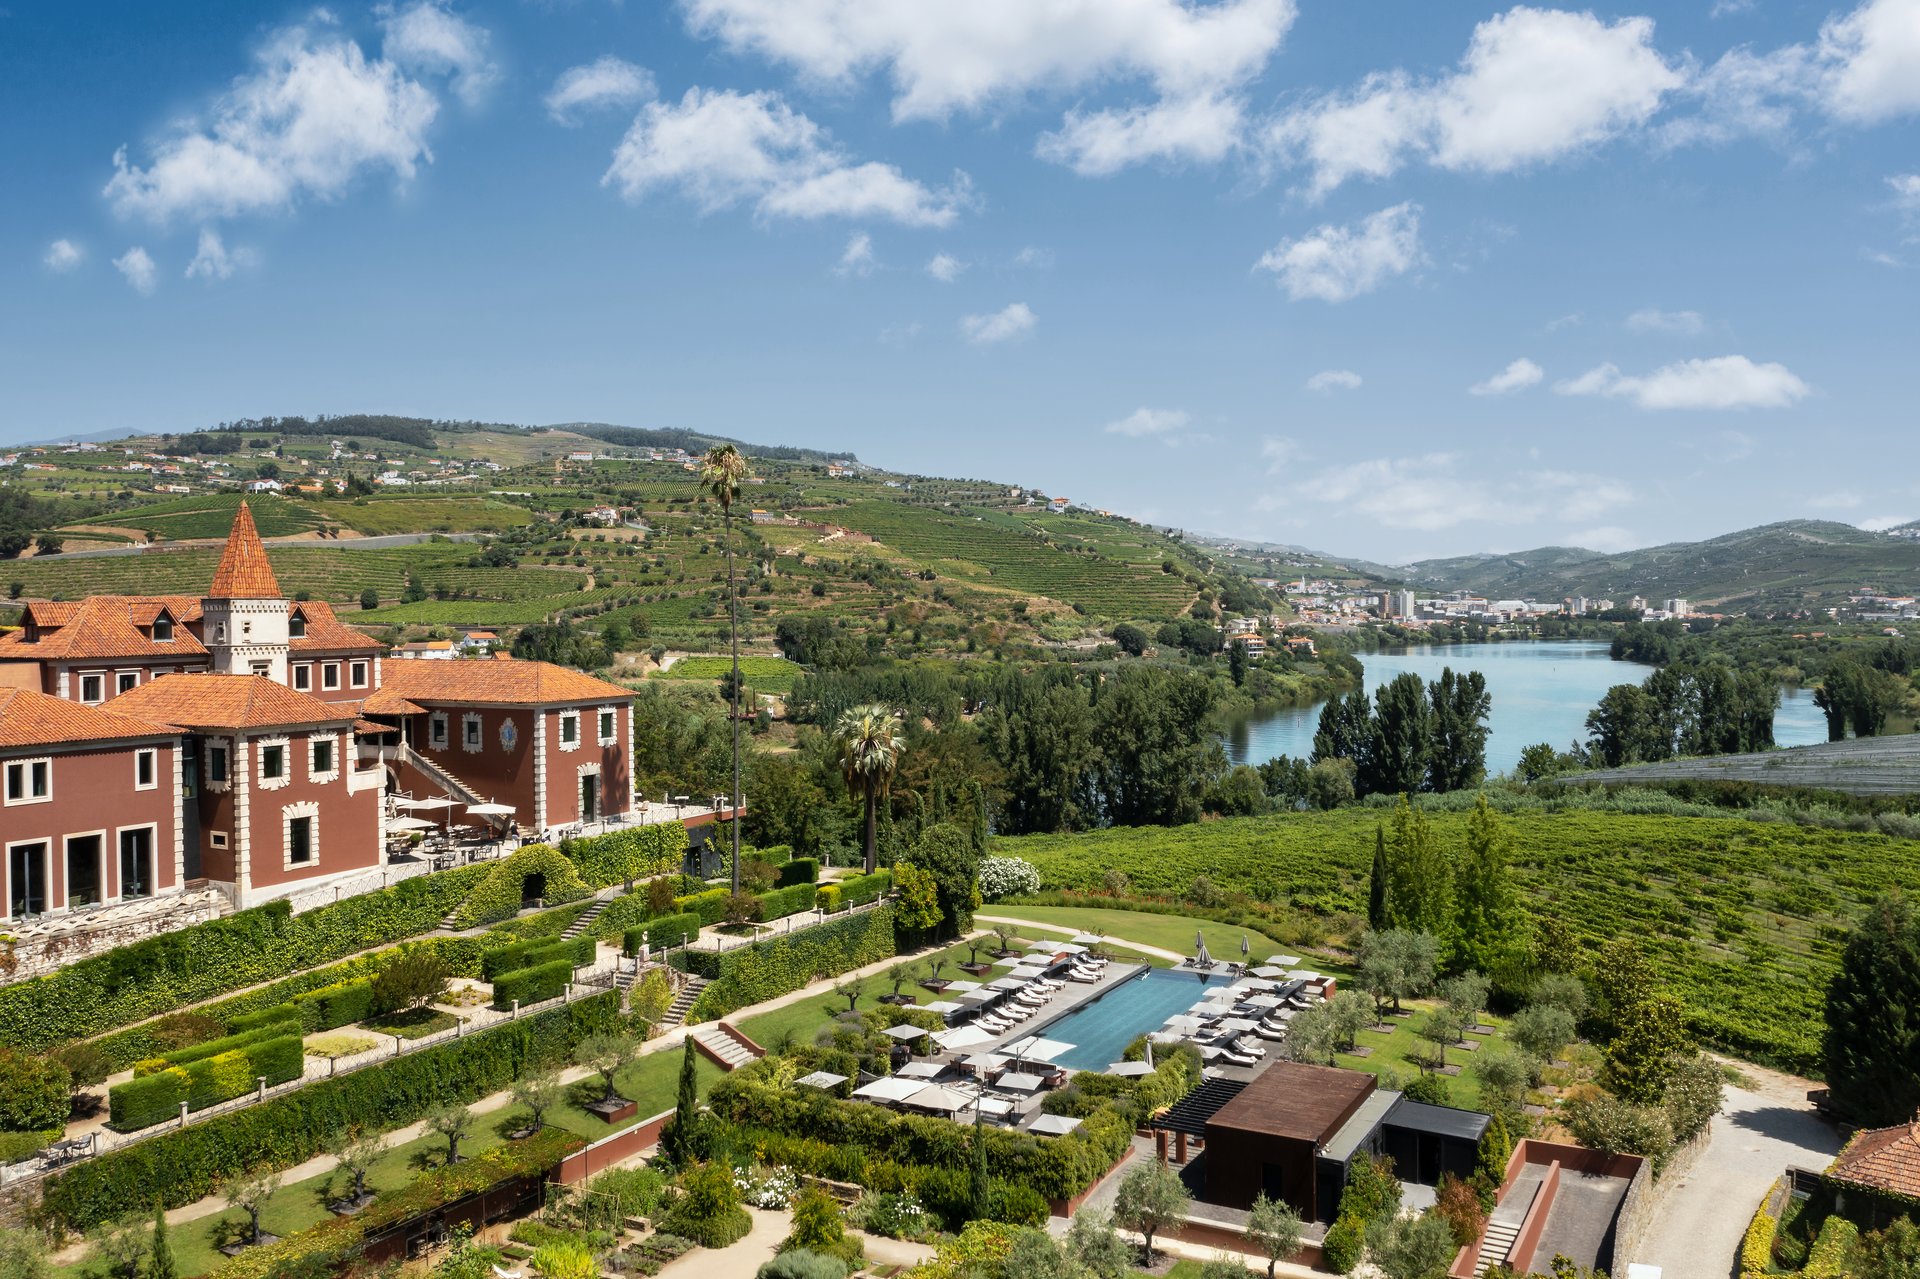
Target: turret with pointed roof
{"x":246,"y":627}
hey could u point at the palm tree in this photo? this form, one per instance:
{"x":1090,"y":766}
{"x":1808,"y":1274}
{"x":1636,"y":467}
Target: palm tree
{"x":870,"y":747}
{"x":721,"y":471}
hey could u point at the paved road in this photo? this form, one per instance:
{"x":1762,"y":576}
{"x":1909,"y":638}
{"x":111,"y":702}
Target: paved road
{"x":1697,"y":1230}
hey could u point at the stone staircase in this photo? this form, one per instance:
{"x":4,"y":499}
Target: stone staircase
{"x":586,"y":919}
{"x":723,"y":1048}
{"x":437,"y":774}
{"x":1495,"y":1243}
{"x":682,"y":1001}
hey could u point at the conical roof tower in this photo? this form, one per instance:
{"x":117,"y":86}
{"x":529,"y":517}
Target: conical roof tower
{"x":246,"y":614}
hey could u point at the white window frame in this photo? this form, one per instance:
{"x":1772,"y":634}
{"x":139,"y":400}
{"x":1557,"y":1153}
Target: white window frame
{"x":303,"y":677}
{"x":261,"y":747}
{"x":125,"y":681}
{"x":217,"y":839}
{"x":308,"y":809}
{"x":66,"y":865}
{"x":329,"y":677}
{"x":569,"y":718}
{"x":152,"y":755}
{"x":437,"y":735}
{"x":101,"y":676}
{"x":46,"y":870}
{"x":26,"y":767}
{"x":223,"y":748}
{"x":608,"y":715}
{"x":153,"y":851}
{"x":357,"y":673}
{"x":473,"y":735}
{"x":323,"y":774}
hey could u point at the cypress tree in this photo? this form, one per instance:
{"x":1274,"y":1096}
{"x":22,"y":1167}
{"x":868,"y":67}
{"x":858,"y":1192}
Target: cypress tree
{"x":160,"y":1263}
{"x":679,"y":1140}
{"x":1872,"y":1043}
{"x":1378,"y":918}
{"x":1488,"y":910}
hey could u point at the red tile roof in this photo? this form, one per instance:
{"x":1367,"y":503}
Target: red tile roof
{"x":244,"y":573}
{"x":498,"y":683}
{"x":326,"y":632}
{"x":1883,"y":1159}
{"x":228,"y":701}
{"x":28,"y":718}
{"x":109,"y":626}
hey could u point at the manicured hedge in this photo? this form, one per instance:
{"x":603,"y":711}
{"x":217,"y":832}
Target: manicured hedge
{"x":182,"y":1167}
{"x":782,"y":902}
{"x":667,"y":930}
{"x":531,"y":985}
{"x":711,"y":905}
{"x":240,"y":1025}
{"x":206,"y":1081}
{"x":777,"y":855}
{"x":340,"y":1004}
{"x":498,"y":896}
{"x":288,"y":1023}
{"x":769,"y":969}
{"x":801,"y":870}
{"x":528,"y":954}
{"x":332,"y":1243}
{"x":175,"y":969}
{"x":622,"y":856}
{"x":861,"y":889}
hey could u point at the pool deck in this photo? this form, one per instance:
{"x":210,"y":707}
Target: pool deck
{"x":1072,"y":998}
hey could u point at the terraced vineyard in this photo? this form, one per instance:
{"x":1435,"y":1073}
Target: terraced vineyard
{"x":989,"y":550}
{"x":763,"y":674}
{"x":210,"y":515}
{"x":1863,"y":766}
{"x":375,"y":516}
{"x":1744,"y":919}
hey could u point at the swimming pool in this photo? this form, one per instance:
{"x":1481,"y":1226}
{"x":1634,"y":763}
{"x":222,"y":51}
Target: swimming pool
{"x":1100,"y":1031}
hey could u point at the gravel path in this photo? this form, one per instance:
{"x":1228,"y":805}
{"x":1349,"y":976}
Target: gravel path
{"x":1697,"y":1228}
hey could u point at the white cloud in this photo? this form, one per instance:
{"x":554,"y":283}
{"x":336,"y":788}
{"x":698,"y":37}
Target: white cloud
{"x":1573,"y":319}
{"x":1724,"y":382}
{"x":945,"y":268}
{"x":973,"y":57}
{"x":1013,"y":321}
{"x":312,"y":116}
{"x":1277,"y":451}
{"x":1534,"y":85}
{"x":1145,"y":423}
{"x":429,"y":36}
{"x":139,"y":270}
{"x":1881,"y":523}
{"x":1677,"y":323}
{"x":63,"y":255}
{"x":858,"y":258}
{"x":1436,"y":491}
{"x":1334,"y":380}
{"x":1905,"y":188}
{"x":1607,"y":537}
{"x":1335,"y":263}
{"x":1728,"y":8}
{"x":1201,"y":129}
{"x":213,"y":260}
{"x":1034,"y":258}
{"x":1871,"y":61}
{"x":1517,"y":376}
{"x":720,"y":148}
{"x":606,"y":82}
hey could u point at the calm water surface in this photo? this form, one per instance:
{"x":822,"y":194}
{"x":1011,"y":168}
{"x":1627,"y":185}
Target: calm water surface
{"x":1541,"y":692}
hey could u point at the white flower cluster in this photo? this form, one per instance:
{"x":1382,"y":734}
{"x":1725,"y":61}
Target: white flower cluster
{"x":1007,"y":877}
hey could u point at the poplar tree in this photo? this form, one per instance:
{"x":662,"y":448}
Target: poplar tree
{"x":1489,"y":914}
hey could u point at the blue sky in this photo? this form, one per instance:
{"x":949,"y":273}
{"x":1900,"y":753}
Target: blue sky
{"x":1395,"y":279}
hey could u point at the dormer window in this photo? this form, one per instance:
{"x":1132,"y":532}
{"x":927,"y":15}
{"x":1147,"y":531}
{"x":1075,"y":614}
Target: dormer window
{"x":297,"y":626}
{"x":162,"y":629}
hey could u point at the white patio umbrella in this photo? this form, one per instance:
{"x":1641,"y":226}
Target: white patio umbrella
{"x":961,"y":1037}
{"x":1034,"y":1048}
{"x":491,"y":809}
{"x":408,"y":823}
{"x":430,"y":801}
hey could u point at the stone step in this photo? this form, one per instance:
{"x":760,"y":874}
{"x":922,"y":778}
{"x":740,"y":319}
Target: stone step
{"x":585,"y":921}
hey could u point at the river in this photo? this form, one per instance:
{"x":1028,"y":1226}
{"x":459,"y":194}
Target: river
{"x":1541,"y":692}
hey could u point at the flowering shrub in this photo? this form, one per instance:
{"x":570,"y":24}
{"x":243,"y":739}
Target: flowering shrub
{"x":767,"y":1187}
{"x":1007,"y":877}
{"x":897,"y":1216}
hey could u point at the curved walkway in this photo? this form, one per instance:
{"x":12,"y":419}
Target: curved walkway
{"x":1142,"y":947}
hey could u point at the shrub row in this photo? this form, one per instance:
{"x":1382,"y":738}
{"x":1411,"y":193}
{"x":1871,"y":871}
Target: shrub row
{"x":181,"y":1167}
{"x":288,"y":1023}
{"x":777,"y":855}
{"x":769,"y":969}
{"x":844,"y":894}
{"x":531,"y":985}
{"x":528,"y":954}
{"x":660,"y":933}
{"x":782,"y":902}
{"x":710,"y":905}
{"x":801,"y":870}
{"x":334,"y":1242}
{"x":175,"y":969}
{"x":622,"y":856}
{"x":498,"y":896}
{"x":206,"y":1081}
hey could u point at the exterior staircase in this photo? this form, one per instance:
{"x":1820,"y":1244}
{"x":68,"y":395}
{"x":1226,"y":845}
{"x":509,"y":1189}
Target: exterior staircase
{"x":682,"y":1001}
{"x":723,"y":1048}
{"x":437,"y":774}
{"x":586,"y":919}
{"x":1495,"y":1243}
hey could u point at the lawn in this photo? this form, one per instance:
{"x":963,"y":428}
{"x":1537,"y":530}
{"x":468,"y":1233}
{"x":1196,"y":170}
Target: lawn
{"x":1399,"y":1052}
{"x":763,"y":674}
{"x":1169,"y":932}
{"x":652,"y":1081}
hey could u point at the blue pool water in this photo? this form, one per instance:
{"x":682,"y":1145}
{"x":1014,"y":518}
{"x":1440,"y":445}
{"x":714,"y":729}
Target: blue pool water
{"x":1100,"y":1031}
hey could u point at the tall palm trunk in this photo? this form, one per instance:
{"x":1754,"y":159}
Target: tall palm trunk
{"x":733,"y":627}
{"x":873,"y":837}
